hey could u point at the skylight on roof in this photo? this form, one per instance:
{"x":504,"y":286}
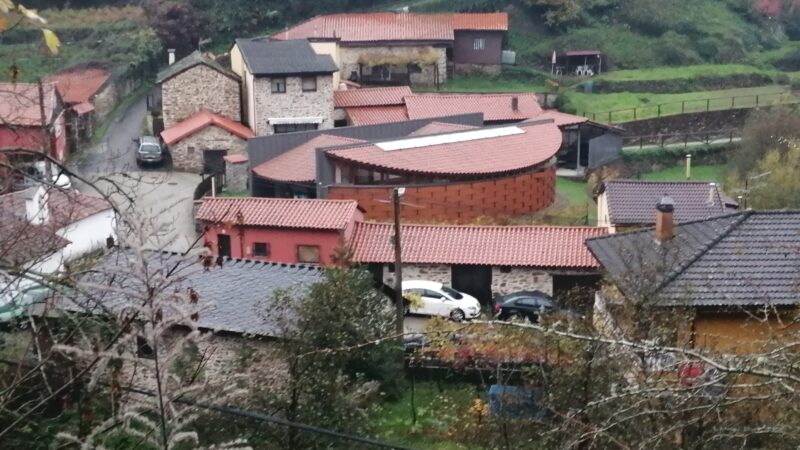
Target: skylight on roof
{"x":463,"y":136}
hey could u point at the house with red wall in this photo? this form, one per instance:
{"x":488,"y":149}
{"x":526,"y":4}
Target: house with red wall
{"x":281,"y":230}
{"x":21,"y":126}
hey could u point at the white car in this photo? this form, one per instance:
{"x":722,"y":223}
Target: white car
{"x":440,"y":300}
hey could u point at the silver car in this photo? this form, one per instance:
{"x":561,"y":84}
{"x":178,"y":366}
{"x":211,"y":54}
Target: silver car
{"x":149,"y":151}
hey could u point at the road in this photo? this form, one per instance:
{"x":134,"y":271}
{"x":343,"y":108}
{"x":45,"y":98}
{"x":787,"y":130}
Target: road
{"x":156,"y":201}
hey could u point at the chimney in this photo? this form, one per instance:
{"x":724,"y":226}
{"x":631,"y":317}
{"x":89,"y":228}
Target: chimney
{"x":664,"y":223}
{"x":515,"y":103}
{"x":37,"y":211}
{"x":171,"y":57}
{"x":712,"y":193}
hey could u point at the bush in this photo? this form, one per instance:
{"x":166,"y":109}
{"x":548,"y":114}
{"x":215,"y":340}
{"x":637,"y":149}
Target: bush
{"x":764,"y":131}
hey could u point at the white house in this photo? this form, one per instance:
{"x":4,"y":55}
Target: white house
{"x":42,"y":229}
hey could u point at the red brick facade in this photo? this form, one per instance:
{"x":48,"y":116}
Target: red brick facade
{"x":458,"y":202}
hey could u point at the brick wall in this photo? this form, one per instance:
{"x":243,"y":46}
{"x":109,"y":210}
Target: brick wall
{"x":292,"y":103}
{"x":458,"y":202}
{"x":187,"y":155}
{"x":349,"y":57}
{"x":200,"y":87}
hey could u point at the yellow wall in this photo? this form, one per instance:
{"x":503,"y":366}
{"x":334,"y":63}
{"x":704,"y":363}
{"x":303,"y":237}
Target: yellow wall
{"x":740,"y":333}
{"x":330,"y":48}
{"x":237,"y":62}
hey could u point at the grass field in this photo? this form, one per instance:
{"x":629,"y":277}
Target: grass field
{"x":669,"y":73}
{"x":627,"y":106}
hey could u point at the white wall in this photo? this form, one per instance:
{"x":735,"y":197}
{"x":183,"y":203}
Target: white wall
{"x":88,"y":234}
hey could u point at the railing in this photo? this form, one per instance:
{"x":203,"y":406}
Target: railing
{"x":204,"y":187}
{"x":692,"y":106}
{"x":682,"y":139}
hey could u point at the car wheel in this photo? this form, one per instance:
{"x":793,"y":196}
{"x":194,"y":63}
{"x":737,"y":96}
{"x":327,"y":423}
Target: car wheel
{"x":457,"y":315}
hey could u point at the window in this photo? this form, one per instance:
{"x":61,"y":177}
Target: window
{"x":278,"y":85}
{"x":309,"y":84}
{"x":452,"y":293}
{"x":505,"y":269}
{"x":479,"y":44}
{"x":391,"y":268}
{"x":431,"y":294}
{"x":308,"y":253}
{"x":290,"y":127}
{"x":261,"y":249}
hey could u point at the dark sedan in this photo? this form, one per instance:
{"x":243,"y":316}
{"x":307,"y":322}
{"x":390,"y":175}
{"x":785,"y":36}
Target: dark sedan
{"x":523,"y":304}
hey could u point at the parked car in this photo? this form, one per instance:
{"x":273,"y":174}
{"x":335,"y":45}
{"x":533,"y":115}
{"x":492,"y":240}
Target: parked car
{"x":525,"y":304}
{"x":440,"y":300}
{"x":149,"y":151}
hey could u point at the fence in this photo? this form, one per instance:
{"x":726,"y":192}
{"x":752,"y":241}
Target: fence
{"x":685,"y":139}
{"x":204,"y":187}
{"x":692,"y":106}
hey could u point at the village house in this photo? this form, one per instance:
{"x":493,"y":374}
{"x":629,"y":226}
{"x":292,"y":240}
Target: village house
{"x":232,"y":328}
{"x":287,"y":85}
{"x":24,"y":133}
{"x":726,"y":283}
{"x":483,"y":261}
{"x":452,"y":171}
{"x":406,"y":48}
{"x":88,"y":93}
{"x":275,"y":229}
{"x":198,"y":83}
{"x":628,"y":204}
{"x":43,"y":229}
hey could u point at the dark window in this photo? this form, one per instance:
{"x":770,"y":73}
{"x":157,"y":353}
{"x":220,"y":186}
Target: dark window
{"x":452,"y":293}
{"x":308,"y":253}
{"x":432,"y":294}
{"x":391,"y":268}
{"x":479,"y":44}
{"x":261,"y":249}
{"x":309,"y":84}
{"x":505,"y":269}
{"x":143,"y":349}
{"x":291,"y":127}
{"x":278,"y":85}
{"x":414,"y":68}
{"x":224,"y":245}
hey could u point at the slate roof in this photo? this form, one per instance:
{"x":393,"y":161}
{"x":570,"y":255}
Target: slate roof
{"x":299,"y":165}
{"x":632,"y":202}
{"x":379,"y":96}
{"x":317,"y":214}
{"x":495,"y":107}
{"x":274,"y":57}
{"x":742,"y":259}
{"x":523,"y":246}
{"x":232,"y":298}
{"x":200,"y":121}
{"x":193,"y":59}
{"x":489,"y":150}
{"x":19,"y":104}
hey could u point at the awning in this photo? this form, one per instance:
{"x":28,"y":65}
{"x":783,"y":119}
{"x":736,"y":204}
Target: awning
{"x":294,"y":120}
{"x":83,"y":108}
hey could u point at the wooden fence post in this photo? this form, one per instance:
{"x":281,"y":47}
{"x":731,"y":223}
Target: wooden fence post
{"x":756,"y":101}
{"x":683,"y":106}
{"x":634,"y":113}
{"x":609,"y":117}
{"x":659,"y":110}
{"x":733,"y":101}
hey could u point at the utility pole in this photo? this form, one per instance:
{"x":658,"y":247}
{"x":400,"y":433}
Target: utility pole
{"x":398,"y":268}
{"x":47,"y":145}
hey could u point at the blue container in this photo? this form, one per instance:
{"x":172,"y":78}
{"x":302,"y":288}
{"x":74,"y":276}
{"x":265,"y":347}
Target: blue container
{"x":515,"y":402}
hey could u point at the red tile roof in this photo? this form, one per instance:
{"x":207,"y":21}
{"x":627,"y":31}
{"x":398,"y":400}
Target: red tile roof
{"x":388,"y":26}
{"x":83,"y":108}
{"x":298,"y":165}
{"x":776,"y":7}
{"x":439,"y":128}
{"x":200,"y":121}
{"x":79,"y":85}
{"x":381,"y":96}
{"x":484,"y":21}
{"x":524,"y":246}
{"x":279,"y":212}
{"x":372,"y":115}
{"x":235,"y":159}
{"x":495,"y":107}
{"x":19,"y":104}
{"x":562,"y":119}
{"x":511,"y":148}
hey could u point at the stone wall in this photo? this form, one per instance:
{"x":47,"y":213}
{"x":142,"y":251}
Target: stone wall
{"x":488,"y":69}
{"x":187,"y":155}
{"x":513,"y":279}
{"x":105,"y":100}
{"x":198,"y":88}
{"x":292,"y":103}
{"x":236,"y":176}
{"x":429,"y":272}
{"x":349,"y":58}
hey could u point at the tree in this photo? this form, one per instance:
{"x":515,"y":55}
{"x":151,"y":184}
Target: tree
{"x":764,"y":131}
{"x":779,"y":187}
{"x":12,"y":14}
{"x":176,"y":22}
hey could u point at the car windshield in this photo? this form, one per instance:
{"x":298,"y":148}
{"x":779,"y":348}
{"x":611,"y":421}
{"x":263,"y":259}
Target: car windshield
{"x":150,"y":148}
{"x":452,"y":293}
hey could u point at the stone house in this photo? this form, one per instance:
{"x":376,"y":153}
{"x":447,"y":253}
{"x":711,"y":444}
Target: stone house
{"x":196,"y":83}
{"x":483,"y":261}
{"x":406,"y":48}
{"x":200,"y":143}
{"x":287,"y":85}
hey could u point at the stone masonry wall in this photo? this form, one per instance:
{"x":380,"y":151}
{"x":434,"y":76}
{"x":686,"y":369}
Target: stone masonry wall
{"x":349,"y":57}
{"x":429,"y":272}
{"x":187,"y":155}
{"x":236,"y":177}
{"x":105,"y":100}
{"x":198,"y":88}
{"x":520,"y":279}
{"x":292,"y":103}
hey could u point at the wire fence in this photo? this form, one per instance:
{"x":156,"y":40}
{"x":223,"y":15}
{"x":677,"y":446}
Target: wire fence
{"x":685,"y":140}
{"x":692,"y":106}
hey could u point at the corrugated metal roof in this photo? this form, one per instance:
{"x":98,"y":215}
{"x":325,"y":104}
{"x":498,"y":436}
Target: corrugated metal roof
{"x":299,"y":164}
{"x":380,"y":96}
{"x":494,"y":107}
{"x":279,"y":212}
{"x":200,"y":121}
{"x":524,"y":246}
{"x":374,"y":115}
{"x":562,"y":119}
{"x":370,"y":27}
{"x":19,"y":104}
{"x":488,"y":155}
{"x":440,"y":127}
{"x":481,"y":21}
